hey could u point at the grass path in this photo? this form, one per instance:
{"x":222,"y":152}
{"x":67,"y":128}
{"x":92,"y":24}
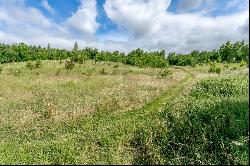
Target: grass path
{"x":114,"y":131}
{"x":100,"y":138}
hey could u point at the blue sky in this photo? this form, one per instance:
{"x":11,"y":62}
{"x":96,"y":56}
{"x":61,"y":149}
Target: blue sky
{"x":65,"y":8}
{"x":173,"y":25}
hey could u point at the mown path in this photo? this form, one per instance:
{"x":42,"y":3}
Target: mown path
{"x":100,"y":138}
{"x":113,"y":132}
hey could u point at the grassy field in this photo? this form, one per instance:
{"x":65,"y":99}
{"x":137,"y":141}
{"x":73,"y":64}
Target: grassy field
{"x":111,"y":113}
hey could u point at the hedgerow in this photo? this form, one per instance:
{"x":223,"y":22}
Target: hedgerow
{"x":228,"y":52}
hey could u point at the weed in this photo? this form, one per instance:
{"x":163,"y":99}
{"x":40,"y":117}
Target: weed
{"x":214,"y":69}
{"x":165,"y":73}
{"x":69,"y":65}
{"x":38,"y":64}
{"x":29,"y":65}
{"x":33,"y":65}
{"x":103,"y":72}
{"x":242,"y":63}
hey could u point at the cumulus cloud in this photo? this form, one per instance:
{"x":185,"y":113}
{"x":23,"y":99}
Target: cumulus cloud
{"x":22,"y":23}
{"x":141,"y":23}
{"x":155,"y":28}
{"x":84,"y":20}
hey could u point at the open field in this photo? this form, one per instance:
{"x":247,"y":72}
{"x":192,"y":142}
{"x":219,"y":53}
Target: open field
{"x":112,"y":113}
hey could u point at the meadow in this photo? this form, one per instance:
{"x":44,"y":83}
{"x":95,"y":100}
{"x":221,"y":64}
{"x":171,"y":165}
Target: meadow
{"x":112,"y":113}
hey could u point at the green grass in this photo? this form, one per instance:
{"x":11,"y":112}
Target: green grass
{"x":110,"y":113}
{"x":208,"y":125}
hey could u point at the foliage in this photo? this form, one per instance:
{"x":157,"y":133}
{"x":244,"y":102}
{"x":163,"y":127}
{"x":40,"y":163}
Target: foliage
{"x":228,"y":52}
{"x":72,"y":118}
{"x":243,"y":63}
{"x":165,"y":73}
{"x":223,"y":87}
{"x":210,"y":127}
{"x":69,"y":64}
{"x":214,"y":69}
{"x":33,"y":65}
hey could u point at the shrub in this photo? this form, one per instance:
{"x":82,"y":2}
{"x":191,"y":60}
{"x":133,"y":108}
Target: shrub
{"x":165,"y":73}
{"x":214,"y":69}
{"x":242,"y":63}
{"x":69,"y":65}
{"x":38,"y":64}
{"x":193,"y":65}
{"x":33,"y":65}
{"x":29,"y":65}
{"x":223,"y":87}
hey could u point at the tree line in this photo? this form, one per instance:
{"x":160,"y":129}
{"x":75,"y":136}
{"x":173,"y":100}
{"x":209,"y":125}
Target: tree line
{"x":228,"y":52}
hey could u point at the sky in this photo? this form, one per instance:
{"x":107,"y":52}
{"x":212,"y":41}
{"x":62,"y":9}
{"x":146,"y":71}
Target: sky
{"x":171,"y":25}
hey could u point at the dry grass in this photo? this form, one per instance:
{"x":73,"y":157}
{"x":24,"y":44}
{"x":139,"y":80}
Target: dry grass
{"x":64,"y":95}
{"x":51,"y":115}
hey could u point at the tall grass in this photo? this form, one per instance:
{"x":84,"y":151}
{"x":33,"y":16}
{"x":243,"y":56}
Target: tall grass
{"x":210,"y":126}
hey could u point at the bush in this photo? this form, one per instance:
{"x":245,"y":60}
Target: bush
{"x":33,"y":65}
{"x":69,"y":65}
{"x":165,"y":73}
{"x":38,"y":64}
{"x":223,"y":87}
{"x":242,"y":63}
{"x":29,"y":65}
{"x":214,"y":69}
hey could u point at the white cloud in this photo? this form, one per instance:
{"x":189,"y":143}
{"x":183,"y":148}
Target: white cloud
{"x":46,"y":5}
{"x":141,"y":23}
{"x":84,"y":20}
{"x":22,"y":23}
{"x":155,"y":28}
